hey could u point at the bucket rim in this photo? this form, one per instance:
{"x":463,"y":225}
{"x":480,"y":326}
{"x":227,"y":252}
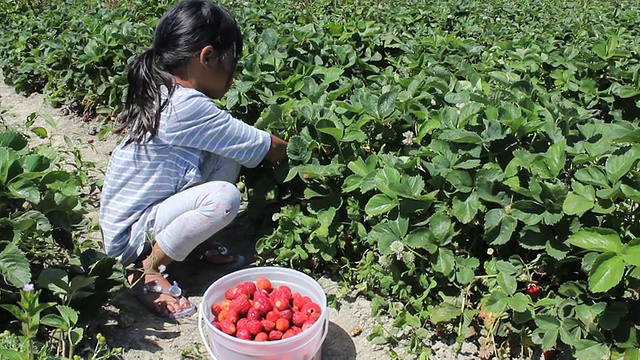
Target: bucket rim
{"x":315,"y":326}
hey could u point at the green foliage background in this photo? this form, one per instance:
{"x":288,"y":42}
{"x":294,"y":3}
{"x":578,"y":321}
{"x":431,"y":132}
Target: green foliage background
{"x":444,"y":156}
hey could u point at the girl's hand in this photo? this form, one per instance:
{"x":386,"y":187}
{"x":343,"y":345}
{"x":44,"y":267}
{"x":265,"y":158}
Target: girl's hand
{"x":278,"y":150}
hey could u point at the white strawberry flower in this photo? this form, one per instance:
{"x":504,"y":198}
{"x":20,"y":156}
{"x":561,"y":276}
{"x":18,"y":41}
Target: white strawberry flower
{"x":408,"y":137}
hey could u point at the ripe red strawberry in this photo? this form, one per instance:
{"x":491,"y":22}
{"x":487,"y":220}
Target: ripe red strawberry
{"x":222,"y":315}
{"x":275,"y":335}
{"x":262,"y":304}
{"x":307,"y":325}
{"x":242,"y":323}
{"x":215,"y":309}
{"x":249,"y":288}
{"x":261,"y":337}
{"x":282,"y":324}
{"x":285,"y":291}
{"x":232,"y":293}
{"x":254,"y":326}
{"x":533,"y":289}
{"x":549,"y":354}
{"x":314,"y":316}
{"x":240,"y":304}
{"x":224,"y":304}
{"x":216,"y":324}
{"x":273,"y":316}
{"x":289,"y":333}
{"x":280,"y":303}
{"x":86,"y":117}
{"x":228,"y":327}
{"x":254,"y":314}
{"x":268,"y":325}
{"x":310,"y":308}
{"x":243,"y":333}
{"x":90,"y":141}
{"x":299,"y":302}
{"x":262,"y":283}
{"x":296,"y":329}
{"x":299,"y":318}
{"x":286,"y":314}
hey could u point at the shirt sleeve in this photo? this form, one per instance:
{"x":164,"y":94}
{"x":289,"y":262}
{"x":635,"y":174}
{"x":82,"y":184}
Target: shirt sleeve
{"x":193,"y":120}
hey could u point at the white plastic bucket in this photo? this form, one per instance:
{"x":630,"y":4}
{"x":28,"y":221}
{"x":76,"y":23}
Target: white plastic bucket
{"x":305,"y":346}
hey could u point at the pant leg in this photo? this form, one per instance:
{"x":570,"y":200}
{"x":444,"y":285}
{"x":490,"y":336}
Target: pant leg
{"x":188,"y":218}
{"x":218,"y":168}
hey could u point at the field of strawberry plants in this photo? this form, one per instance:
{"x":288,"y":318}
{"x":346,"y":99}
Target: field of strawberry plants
{"x":471,"y":166}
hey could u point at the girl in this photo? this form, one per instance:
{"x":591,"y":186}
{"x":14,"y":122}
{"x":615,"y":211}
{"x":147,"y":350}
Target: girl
{"x":170,"y":184}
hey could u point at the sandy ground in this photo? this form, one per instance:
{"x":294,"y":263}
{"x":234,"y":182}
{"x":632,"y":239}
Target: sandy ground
{"x":127,"y":324}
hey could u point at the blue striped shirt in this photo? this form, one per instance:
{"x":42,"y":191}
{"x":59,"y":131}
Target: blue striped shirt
{"x":140,"y":176}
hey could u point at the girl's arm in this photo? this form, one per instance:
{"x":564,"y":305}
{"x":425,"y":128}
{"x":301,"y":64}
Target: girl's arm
{"x":278,"y":150}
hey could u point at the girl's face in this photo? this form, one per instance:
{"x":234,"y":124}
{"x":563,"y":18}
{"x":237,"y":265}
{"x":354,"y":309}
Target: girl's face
{"x":214,"y":72}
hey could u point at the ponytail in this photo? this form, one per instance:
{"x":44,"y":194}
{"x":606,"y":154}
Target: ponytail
{"x":180,"y":34}
{"x":141,"y":114}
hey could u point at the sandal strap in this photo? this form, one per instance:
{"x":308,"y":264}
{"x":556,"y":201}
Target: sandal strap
{"x":174,"y":290}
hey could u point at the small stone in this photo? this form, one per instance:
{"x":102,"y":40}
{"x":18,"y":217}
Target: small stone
{"x":92,"y":131}
{"x":468,"y":348}
{"x":357,"y":330}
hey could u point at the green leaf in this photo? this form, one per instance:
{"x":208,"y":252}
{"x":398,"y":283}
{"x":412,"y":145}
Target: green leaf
{"x":68,"y":314}
{"x":575,"y":204}
{"x":444,"y":312}
{"x":498,"y":227}
{"x":556,"y":157}
{"x":298,"y":150}
{"x":387,"y":104}
{"x":618,"y":166}
{"x":21,"y":188}
{"x":591,"y":350}
{"x":508,"y":283}
{"x":628,"y":91}
{"x":592,"y":175}
{"x":14,"y":266}
{"x":13,"y":140}
{"x":380,"y":204}
{"x":466,"y":210}
{"x":631,"y":253}
{"x":445,"y":261}
{"x":387,"y":232}
{"x":497,"y":302}
{"x":519,"y":302}
{"x":597,"y":239}
{"x":606,"y":272}
{"x":9,"y":354}
{"x":461,"y":136}
{"x":55,"y":321}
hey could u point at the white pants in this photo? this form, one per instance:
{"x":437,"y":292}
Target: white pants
{"x":188,"y":218}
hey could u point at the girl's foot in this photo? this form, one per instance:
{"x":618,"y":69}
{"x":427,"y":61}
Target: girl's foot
{"x":159,"y":296}
{"x":219,"y":256}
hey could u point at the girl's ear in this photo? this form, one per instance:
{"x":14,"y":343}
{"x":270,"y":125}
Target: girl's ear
{"x":207,"y":55}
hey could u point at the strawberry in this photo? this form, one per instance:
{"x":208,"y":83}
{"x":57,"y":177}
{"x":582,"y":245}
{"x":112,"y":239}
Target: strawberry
{"x":90,"y":141}
{"x":248,"y":287}
{"x":268,"y":325}
{"x":233,"y":316}
{"x":286,"y":314}
{"x":224,"y":304}
{"x":275,"y":335}
{"x":549,"y":354}
{"x":314,"y":316}
{"x":296,"y":329}
{"x":289,"y":333}
{"x":222,"y":315}
{"x":299,"y":302}
{"x":273,"y":316}
{"x":533,"y":289}
{"x":282,"y":324}
{"x":261,"y":337}
{"x":286,"y":292}
{"x":262,"y":304}
{"x":254,"y":314}
{"x":242,"y":323}
{"x":216,"y":324}
{"x":240,"y":304}
{"x":254,"y":326}
{"x":262,"y":283}
{"x":280,"y":303}
{"x":310,"y":308}
{"x":215,"y":309}
{"x":228,"y":327}
{"x":232,"y":293}
{"x":299,"y":318}
{"x":307,"y":325}
{"x":243,"y":333}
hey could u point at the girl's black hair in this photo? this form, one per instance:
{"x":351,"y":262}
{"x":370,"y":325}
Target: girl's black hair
{"x":180,"y":34}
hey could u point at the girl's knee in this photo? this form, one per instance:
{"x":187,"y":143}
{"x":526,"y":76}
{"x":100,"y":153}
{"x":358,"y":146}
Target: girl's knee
{"x":225,"y":198}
